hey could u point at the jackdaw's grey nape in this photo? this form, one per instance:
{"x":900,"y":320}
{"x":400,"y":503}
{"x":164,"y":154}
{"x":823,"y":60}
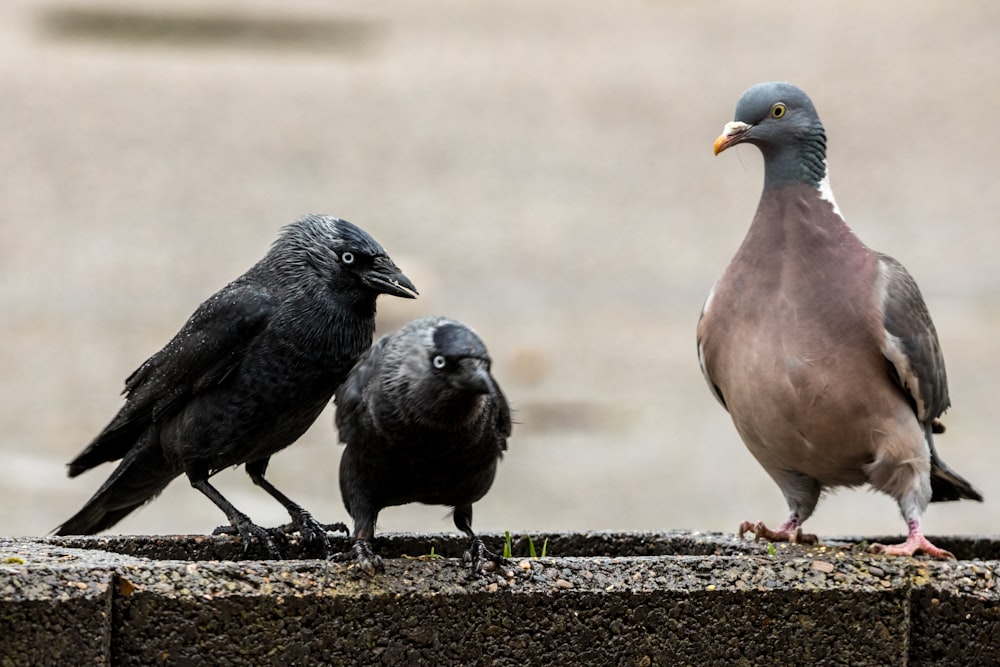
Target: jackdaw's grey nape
{"x":423,"y":421}
{"x":245,"y":377}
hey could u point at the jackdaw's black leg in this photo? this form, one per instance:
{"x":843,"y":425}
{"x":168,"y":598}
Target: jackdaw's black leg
{"x":247,"y":529}
{"x":477,"y":553}
{"x":311,"y":530}
{"x":361,"y":551}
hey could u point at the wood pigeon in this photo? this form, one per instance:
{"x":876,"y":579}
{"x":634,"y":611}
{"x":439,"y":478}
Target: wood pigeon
{"x":822,"y":349}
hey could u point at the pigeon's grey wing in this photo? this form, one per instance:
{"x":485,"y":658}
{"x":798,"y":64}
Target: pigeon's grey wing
{"x":702,"y":362}
{"x":911,"y":344}
{"x":916,"y":364}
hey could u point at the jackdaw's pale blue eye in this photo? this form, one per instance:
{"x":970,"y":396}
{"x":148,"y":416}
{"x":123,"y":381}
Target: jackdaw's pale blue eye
{"x":347,"y":257}
{"x":440,"y":362}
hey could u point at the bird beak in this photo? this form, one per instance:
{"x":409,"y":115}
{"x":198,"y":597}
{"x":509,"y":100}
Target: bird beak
{"x":732,"y":134}
{"x":475,"y":377}
{"x":386,"y":278}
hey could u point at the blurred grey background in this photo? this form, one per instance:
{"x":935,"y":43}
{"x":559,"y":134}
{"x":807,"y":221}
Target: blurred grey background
{"x":542,"y":170}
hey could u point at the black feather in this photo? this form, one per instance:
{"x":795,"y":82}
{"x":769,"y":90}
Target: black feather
{"x":423,"y":421}
{"x":245,"y":376}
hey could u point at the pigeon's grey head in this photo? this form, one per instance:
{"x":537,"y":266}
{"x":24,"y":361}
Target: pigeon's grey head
{"x":782,"y":122}
{"x":440,"y":368}
{"x":339,"y":255}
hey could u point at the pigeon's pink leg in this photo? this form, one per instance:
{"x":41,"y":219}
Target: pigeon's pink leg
{"x":790,"y":531}
{"x":915,"y":543}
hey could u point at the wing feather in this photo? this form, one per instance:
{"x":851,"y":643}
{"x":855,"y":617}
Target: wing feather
{"x":911,"y":343}
{"x":208,"y":347}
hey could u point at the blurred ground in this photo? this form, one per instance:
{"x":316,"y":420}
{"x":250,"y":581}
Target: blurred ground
{"x":541,"y":170}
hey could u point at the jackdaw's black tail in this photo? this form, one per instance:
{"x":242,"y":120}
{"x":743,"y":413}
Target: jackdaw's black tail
{"x":139,"y":478}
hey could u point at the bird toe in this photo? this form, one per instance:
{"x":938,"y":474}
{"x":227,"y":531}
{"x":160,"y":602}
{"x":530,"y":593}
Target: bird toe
{"x":313,"y":532}
{"x":912,"y":547}
{"x":785,"y":533}
{"x":250,"y":534}
{"x":362,"y":558}
{"x":338,"y":527}
{"x":482,"y":559}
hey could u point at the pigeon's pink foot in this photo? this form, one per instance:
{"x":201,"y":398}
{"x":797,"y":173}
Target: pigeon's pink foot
{"x":914,"y":544}
{"x":790,"y":531}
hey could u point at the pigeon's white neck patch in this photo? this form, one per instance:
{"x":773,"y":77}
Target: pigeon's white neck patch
{"x":826,"y":192}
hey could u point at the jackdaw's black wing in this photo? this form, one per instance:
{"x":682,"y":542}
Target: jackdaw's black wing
{"x":207,"y":348}
{"x":353,"y":418}
{"x":503,"y":422}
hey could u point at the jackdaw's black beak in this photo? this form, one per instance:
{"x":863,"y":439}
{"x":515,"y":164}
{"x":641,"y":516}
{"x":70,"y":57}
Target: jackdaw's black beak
{"x":386,"y":278}
{"x":473,"y":376}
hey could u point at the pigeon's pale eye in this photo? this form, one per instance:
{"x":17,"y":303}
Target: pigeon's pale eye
{"x":778,"y":110}
{"x":347,"y":257}
{"x":440,"y":362}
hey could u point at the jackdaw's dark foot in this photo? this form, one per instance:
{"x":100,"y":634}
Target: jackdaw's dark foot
{"x":483,"y":560}
{"x":313,"y":532}
{"x":289,"y":528}
{"x":338,"y":527}
{"x":249,"y":533}
{"x":362,"y":557}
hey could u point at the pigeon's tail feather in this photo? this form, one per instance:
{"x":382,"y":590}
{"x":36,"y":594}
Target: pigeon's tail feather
{"x":946,"y":484}
{"x":135,"y":481}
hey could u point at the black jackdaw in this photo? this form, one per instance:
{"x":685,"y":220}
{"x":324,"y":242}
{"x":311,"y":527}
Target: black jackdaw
{"x":423,"y":421}
{"x":245,"y":377}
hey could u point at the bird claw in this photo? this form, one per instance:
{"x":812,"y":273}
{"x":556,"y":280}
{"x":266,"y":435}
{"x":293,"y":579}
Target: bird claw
{"x":913,"y":545}
{"x":249,"y":533}
{"x":483,"y":560}
{"x":362,"y":557}
{"x":337,"y":527}
{"x":784,"y":533}
{"x":313,"y":532}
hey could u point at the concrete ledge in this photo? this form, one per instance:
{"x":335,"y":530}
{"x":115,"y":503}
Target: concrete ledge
{"x":602,"y":598}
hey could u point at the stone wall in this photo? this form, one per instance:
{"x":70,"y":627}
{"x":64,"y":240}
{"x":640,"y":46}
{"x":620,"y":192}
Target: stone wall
{"x":597,"y":598}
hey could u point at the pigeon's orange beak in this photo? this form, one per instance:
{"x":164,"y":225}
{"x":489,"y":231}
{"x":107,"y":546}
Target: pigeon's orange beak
{"x":732,"y":134}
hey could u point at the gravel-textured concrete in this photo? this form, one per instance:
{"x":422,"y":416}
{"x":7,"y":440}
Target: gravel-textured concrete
{"x":55,"y":604}
{"x":597,"y":598}
{"x":543,"y":172}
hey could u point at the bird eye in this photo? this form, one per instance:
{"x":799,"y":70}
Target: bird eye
{"x":440,"y":362}
{"x":347,"y":257}
{"x":778,"y":110}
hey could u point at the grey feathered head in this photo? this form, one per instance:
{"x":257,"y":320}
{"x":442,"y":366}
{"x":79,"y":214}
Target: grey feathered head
{"x":782,"y":122}
{"x":439,"y":367}
{"x":341,"y":255}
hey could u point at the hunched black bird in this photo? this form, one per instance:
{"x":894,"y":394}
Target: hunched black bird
{"x":422,"y":420}
{"x":245,"y":377}
{"x":822,"y":349}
